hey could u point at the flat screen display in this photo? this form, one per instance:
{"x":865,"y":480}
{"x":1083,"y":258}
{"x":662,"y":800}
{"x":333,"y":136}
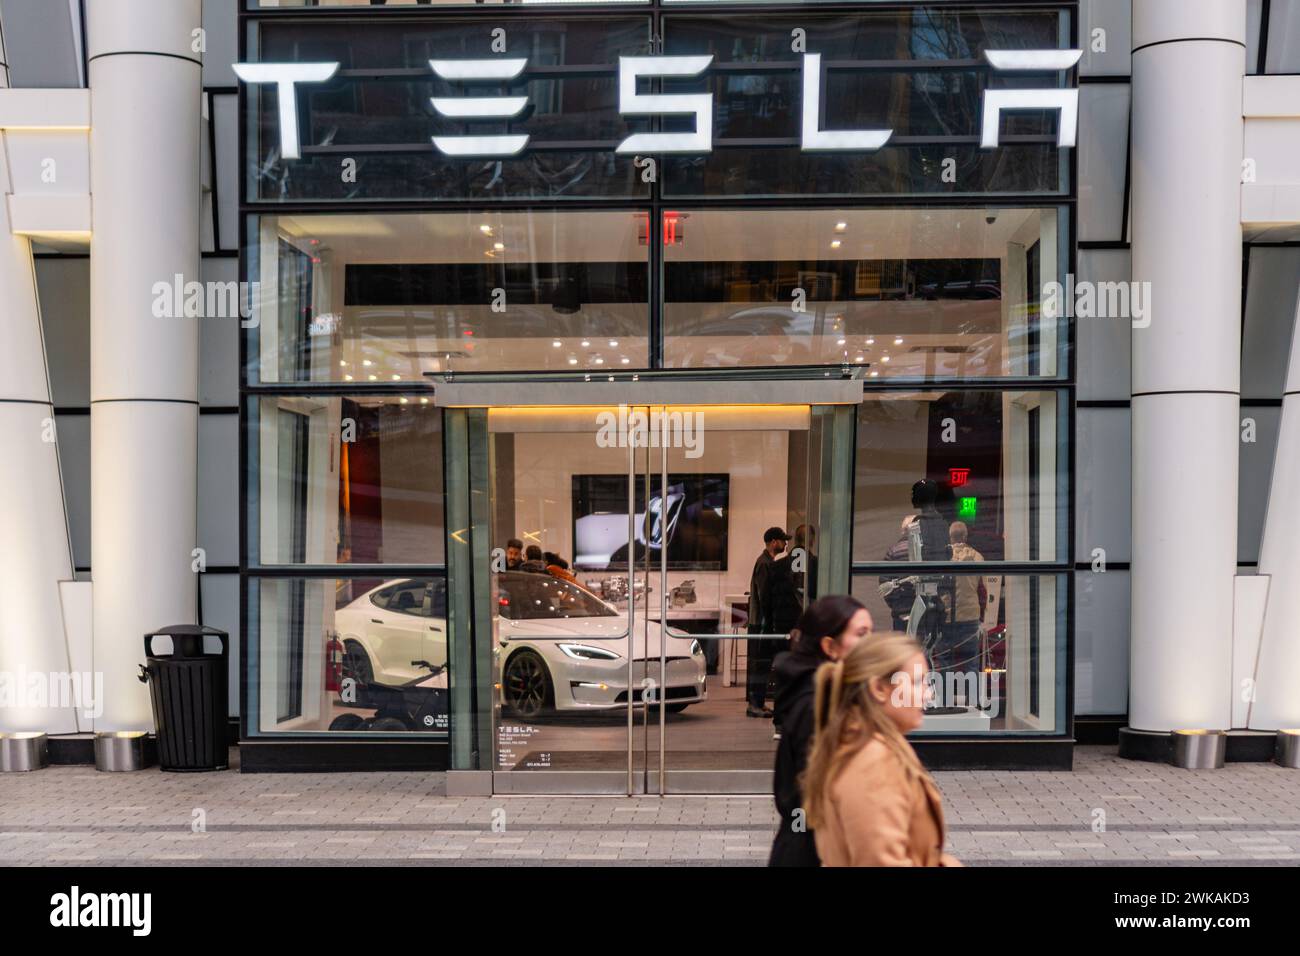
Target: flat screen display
{"x":691,"y":522}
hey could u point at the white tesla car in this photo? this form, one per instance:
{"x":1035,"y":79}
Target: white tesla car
{"x":558,"y":646}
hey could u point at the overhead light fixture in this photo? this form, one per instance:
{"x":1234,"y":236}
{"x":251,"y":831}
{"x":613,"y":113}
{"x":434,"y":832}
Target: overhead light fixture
{"x":499,"y":246}
{"x":841,"y":226}
{"x":573,"y":360}
{"x":625,"y":360}
{"x":556,"y":344}
{"x":485,"y":229}
{"x":871,"y":341}
{"x":613,"y":343}
{"x":898,"y":341}
{"x":374,"y":378}
{"x":586,"y":344}
{"x":347,"y":378}
{"x":835,"y":243}
{"x":366,"y":362}
{"x":884,"y":358}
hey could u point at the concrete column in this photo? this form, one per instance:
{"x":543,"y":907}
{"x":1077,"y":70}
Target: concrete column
{"x":37,"y":554}
{"x":1188,"y":67}
{"x":146,"y":88}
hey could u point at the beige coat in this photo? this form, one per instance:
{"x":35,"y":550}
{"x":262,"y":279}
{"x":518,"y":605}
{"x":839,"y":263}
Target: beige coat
{"x":876,"y":817}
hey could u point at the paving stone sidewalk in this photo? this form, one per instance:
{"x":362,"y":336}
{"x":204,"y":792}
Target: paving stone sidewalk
{"x":1154,"y":815}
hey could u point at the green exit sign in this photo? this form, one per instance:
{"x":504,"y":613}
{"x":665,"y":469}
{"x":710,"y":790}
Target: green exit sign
{"x":966,"y":508}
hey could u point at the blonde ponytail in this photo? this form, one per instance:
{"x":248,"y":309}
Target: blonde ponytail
{"x":847,"y":716}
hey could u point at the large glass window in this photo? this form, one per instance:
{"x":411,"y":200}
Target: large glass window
{"x":896,"y":293}
{"x":347,"y":479}
{"x":995,"y":642}
{"x":350,"y":655}
{"x":962,"y":476}
{"x":386,"y":298}
{"x":919,"y":72}
{"x":367,"y":132}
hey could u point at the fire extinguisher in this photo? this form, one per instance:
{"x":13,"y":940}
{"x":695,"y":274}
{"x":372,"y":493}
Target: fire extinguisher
{"x":334,"y":663}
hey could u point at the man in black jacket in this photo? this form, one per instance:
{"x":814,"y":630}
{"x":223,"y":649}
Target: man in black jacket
{"x":825,"y":632}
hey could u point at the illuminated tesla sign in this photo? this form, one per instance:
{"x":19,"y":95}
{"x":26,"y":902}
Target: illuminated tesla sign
{"x":287,"y":77}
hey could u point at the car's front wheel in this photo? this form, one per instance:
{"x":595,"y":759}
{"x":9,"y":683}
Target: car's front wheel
{"x":357,"y":666}
{"x":526,"y":685}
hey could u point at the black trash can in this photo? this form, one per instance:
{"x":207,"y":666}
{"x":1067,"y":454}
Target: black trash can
{"x":189,"y":691}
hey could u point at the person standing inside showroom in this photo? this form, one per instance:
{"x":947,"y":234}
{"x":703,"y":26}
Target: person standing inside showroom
{"x":514,"y":554}
{"x":869,"y":801}
{"x":826,"y":631}
{"x":959,"y":648}
{"x":760,"y":651}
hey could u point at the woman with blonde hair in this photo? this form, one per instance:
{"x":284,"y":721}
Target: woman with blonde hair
{"x":869,"y":801}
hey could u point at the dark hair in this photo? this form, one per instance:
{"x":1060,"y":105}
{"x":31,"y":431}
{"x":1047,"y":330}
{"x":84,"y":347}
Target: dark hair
{"x":515,"y":543}
{"x":825,"y":617}
{"x":534,"y":553}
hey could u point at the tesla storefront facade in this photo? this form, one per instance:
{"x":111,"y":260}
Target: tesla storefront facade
{"x":555,"y":317}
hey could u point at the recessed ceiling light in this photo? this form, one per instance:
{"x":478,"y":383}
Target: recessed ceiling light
{"x":898,"y":341}
{"x":598,"y":360}
{"x":396,"y":377}
{"x":860,"y":358}
{"x":841,"y":226}
{"x":871,"y":341}
{"x":835,"y":243}
{"x":424,"y":401}
{"x":874,"y":373}
{"x":884,"y":358}
{"x":586,"y":344}
{"x":347,"y":378}
{"x":366,"y":362}
{"x":613,"y":343}
{"x":374,"y":378}
{"x":556,"y":344}
{"x":405,"y":399}
{"x":485,"y":229}
{"x":572,"y":360}
{"x":342,"y":364}
{"x":498,"y":246}
{"x":625,"y":360}
{"x":840,"y":341}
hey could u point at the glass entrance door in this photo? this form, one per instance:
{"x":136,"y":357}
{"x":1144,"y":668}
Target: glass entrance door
{"x":569,"y":641}
{"x":635,"y":605}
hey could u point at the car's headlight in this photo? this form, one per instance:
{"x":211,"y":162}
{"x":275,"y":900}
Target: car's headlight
{"x":585,"y":652}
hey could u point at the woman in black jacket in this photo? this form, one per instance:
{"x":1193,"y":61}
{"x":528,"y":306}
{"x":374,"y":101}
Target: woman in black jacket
{"x":826,"y":631}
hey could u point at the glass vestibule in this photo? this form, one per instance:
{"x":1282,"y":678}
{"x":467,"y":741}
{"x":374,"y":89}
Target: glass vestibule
{"x":639,"y":668}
